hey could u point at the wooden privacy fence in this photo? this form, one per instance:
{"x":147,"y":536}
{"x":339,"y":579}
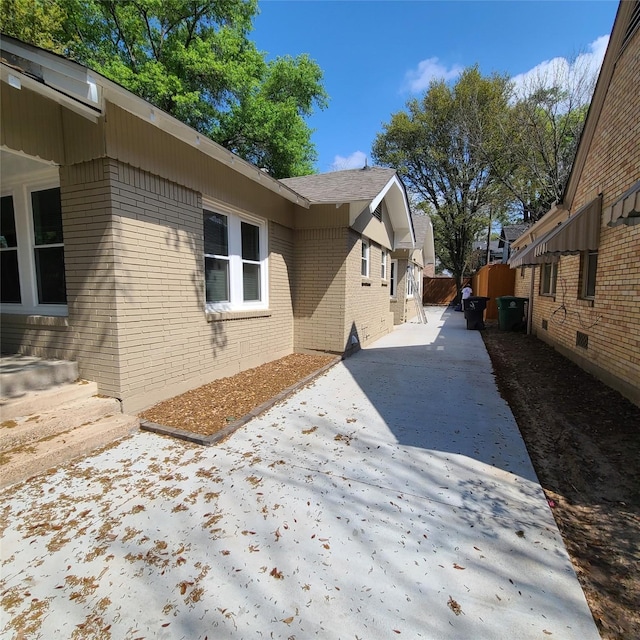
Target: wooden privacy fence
{"x":438,"y":290}
{"x":493,"y":281}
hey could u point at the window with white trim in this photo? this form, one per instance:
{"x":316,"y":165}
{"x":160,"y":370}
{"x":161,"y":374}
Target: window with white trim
{"x":410,"y":277}
{"x":393,"y":278}
{"x":548,"y":277}
{"x":32,"y":250}
{"x":588,"y":268}
{"x":364,"y":269}
{"x":383,"y":264}
{"x":235,"y":261}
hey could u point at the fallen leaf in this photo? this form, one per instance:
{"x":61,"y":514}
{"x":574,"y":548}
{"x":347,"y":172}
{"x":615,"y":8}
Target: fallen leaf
{"x":457,"y":566}
{"x":454,"y":606}
{"x":288,"y":620}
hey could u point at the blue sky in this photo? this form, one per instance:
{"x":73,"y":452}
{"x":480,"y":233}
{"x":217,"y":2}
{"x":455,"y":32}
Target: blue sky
{"x":378,"y":54}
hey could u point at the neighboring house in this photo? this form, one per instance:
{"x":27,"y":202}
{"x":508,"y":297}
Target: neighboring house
{"x":355,"y":220}
{"x":409,"y":264}
{"x":479,"y":253}
{"x":508,"y":234}
{"x":580,"y":263}
{"x":158,"y":260}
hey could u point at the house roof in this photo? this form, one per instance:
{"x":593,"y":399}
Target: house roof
{"x":512,"y":231}
{"x":342,"y":186}
{"x":421,"y":225}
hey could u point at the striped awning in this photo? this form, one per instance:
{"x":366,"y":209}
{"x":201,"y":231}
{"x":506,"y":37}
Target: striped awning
{"x":626,"y":209}
{"x":527,"y":257}
{"x":579,"y":232}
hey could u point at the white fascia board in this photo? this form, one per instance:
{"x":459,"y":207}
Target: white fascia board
{"x":61,"y":74}
{"x":398,"y":208}
{"x":9,"y":74}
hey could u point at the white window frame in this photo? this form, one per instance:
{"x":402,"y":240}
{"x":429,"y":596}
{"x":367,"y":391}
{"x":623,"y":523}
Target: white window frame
{"x":409,"y":286}
{"x":553,"y":278}
{"x":365,"y":262}
{"x":383,"y":265}
{"x":236,"y":295}
{"x":23,"y":211}
{"x":393,"y":279}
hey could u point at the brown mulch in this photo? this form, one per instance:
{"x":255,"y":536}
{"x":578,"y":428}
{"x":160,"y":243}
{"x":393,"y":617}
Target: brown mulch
{"x":211,"y":407}
{"x":584,"y":441}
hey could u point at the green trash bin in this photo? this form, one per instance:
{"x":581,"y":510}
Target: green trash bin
{"x":511,"y":314}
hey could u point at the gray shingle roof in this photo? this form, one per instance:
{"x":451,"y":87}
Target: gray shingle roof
{"x":513,"y":231}
{"x":341,"y":186}
{"x":420,"y":224}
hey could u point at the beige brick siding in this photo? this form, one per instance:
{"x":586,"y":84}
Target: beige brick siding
{"x":319,"y":288}
{"x":135,"y":284}
{"x":166,"y":344}
{"x":612,"y":321}
{"x":368,"y":311}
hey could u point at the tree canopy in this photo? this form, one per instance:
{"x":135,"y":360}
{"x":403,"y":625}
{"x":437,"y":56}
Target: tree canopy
{"x":193,"y":59}
{"x":438,"y":146}
{"x":480,"y":150}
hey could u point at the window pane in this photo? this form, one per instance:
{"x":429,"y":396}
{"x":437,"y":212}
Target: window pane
{"x":50,"y":274}
{"x":251,"y":282}
{"x":47,"y":216}
{"x":392,"y":279}
{"x":592,"y":266}
{"x":250,"y":242}
{"x":216,"y":279}
{"x":216,"y":235}
{"x":7,"y":224}
{"x":10,"y":279}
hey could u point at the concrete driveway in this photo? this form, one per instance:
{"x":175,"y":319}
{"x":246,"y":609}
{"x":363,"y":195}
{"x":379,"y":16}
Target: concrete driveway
{"x":393,"y":497}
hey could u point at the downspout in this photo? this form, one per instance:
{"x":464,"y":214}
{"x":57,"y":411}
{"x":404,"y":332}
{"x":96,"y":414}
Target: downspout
{"x":530,"y":305}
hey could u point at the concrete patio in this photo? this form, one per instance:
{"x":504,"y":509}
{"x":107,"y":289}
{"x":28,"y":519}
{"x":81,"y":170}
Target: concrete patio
{"x":392,"y":497}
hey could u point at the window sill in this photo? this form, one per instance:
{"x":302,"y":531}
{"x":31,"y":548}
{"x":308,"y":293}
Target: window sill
{"x":224,"y":316}
{"x":40,"y":320}
{"x":548,"y":295}
{"x":585,"y":302}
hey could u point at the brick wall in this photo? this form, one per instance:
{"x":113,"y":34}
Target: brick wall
{"x":368,"y":309}
{"x":135,"y":285}
{"x":166,"y":343}
{"x":319,"y":288}
{"x":612,"y":320}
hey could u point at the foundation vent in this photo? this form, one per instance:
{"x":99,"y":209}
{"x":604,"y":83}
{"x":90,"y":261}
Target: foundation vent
{"x":582,"y":340}
{"x":545,"y":324}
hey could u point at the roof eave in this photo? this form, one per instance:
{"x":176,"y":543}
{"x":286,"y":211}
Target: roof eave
{"x":87,"y":92}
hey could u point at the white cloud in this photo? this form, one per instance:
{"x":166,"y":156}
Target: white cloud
{"x":585,"y":65}
{"x":417,"y":80}
{"x":355,"y":161}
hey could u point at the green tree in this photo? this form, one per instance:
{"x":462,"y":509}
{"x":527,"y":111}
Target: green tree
{"x":35,"y":21}
{"x":439,"y":146}
{"x":539,"y":136}
{"x":194,"y":59}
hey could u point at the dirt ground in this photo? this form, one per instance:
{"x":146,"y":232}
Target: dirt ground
{"x":584,"y":441}
{"x":583,"y":438}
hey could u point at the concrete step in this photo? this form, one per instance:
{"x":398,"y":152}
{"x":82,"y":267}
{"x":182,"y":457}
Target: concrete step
{"x":25,"y":429}
{"x":29,"y":460}
{"x":33,"y":402}
{"x":19,"y":374}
